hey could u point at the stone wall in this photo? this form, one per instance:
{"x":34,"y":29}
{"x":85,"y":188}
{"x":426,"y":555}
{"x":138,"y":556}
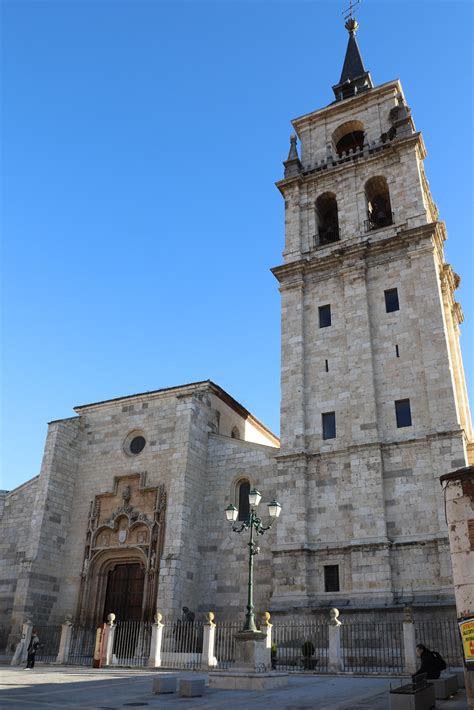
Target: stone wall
{"x":15,"y":533}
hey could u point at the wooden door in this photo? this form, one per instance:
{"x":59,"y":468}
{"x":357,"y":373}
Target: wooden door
{"x":124,"y":596}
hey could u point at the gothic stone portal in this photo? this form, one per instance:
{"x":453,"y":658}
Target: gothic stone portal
{"x":124,"y":542}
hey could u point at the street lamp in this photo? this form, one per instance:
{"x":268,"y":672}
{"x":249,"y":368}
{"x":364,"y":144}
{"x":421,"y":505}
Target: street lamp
{"x":255,"y":524}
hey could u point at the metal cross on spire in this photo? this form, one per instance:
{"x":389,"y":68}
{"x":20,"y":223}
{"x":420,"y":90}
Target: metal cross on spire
{"x":351,"y":23}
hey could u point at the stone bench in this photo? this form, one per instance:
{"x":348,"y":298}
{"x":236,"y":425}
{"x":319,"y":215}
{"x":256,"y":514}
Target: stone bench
{"x":192,"y":687}
{"x":412,"y":697}
{"x":165,"y":684}
{"x":445,"y":686}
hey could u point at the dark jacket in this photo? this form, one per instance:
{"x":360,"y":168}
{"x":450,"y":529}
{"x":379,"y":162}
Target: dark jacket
{"x":429,"y":666}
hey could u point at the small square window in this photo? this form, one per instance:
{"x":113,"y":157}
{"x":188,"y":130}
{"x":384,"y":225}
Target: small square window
{"x":324,"y":316}
{"x":391,"y":300}
{"x":403,"y":412}
{"x":329,"y":425}
{"x":331,"y":578}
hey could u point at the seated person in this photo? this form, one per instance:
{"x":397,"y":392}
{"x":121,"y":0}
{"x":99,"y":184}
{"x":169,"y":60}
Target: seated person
{"x":429,"y":664}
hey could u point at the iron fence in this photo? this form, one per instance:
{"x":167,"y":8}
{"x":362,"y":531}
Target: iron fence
{"x":441,"y":635}
{"x":224,"y":647}
{"x":182,"y":645}
{"x":81,"y":648}
{"x":300,"y":646}
{"x":49,"y":639}
{"x":373,"y":647}
{"x":131,"y":643}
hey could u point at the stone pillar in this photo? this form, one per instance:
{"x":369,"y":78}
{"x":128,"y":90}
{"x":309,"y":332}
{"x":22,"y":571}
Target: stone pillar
{"x":266,"y":628}
{"x":65,"y":642}
{"x":208,"y":657}
{"x":459,"y":499}
{"x":108,"y":641}
{"x":21,"y":651}
{"x":154,"y":659}
{"x":409,"y":643}
{"x":334,"y":651}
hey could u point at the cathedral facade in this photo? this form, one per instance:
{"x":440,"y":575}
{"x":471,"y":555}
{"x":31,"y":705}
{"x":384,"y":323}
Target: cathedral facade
{"x":127,"y":513}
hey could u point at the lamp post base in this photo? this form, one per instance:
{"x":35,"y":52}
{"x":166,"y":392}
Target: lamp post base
{"x":240,"y":680}
{"x":251,"y":652}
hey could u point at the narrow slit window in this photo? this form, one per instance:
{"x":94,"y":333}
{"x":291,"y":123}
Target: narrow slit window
{"x":329,"y":425}
{"x":331,"y":578}
{"x":243,"y":504}
{"x":391,"y":300}
{"x":397,"y":351}
{"x":324,"y":316}
{"x":327,"y":366}
{"x":403,"y":412}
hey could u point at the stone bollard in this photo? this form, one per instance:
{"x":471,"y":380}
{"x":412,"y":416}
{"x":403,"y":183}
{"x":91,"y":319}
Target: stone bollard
{"x":208,"y":657}
{"x":334,"y":651}
{"x":21,"y":651}
{"x":108,"y":642}
{"x":154,"y":659}
{"x":409,"y":642}
{"x":65,"y":642}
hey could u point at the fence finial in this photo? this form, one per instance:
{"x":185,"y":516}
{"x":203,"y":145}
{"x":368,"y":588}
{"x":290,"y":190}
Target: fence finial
{"x":210,"y":617}
{"x":157,"y":617}
{"x":333,"y":617}
{"x":111,"y":619}
{"x":408,"y":611}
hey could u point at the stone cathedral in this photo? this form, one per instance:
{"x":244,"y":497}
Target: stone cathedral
{"x":127,"y":513}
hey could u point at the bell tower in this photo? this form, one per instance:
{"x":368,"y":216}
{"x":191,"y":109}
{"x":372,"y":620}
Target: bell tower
{"x":374,"y":406}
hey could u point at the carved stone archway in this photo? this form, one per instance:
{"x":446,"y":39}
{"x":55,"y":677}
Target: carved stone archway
{"x":125,"y":526}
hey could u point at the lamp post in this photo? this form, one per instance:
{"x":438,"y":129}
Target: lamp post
{"x":256,"y":526}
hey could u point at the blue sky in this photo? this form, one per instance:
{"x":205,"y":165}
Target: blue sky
{"x":141,"y":142}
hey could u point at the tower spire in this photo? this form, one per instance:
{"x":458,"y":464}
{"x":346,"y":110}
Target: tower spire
{"x":354,"y":77}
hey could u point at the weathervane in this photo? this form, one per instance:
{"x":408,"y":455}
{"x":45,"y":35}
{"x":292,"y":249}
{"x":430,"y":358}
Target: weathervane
{"x":351,"y":23}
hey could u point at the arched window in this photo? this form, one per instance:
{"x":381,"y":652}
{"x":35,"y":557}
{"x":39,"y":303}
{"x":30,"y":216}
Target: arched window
{"x":327,"y":219}
{"x":243,"y":490}
{"x":349,"y":136}
{"x":235,"y":433}
{"x":379,"y":208}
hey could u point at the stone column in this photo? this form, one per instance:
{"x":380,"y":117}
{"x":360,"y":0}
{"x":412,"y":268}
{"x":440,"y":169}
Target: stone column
{"x":266,"y":627}
{"x":459,"y":499}
{"x":21,"y":651}
{"x":334,"y":651}
{"x":154,"y":659}
{"x":65,"y":642}
{"x":108,"y":642}
{"x":409,"y":643}
{"x":208,"y":657}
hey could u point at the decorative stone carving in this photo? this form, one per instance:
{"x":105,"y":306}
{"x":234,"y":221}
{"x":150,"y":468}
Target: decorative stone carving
{"x":125,"y":521}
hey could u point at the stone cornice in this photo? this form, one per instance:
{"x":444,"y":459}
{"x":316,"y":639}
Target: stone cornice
{"x":340,"y":256}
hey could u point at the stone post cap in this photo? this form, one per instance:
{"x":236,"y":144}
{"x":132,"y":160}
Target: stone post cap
{"x":408,"y":618}
{"x":266,"y":616}
{"x":157,"y":617}
{"x":210,"y":616}
{"x":333,"y":617}
{"x":67,"y":620}
{"x":111,"y":619}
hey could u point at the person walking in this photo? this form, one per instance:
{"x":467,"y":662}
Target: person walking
{"x":32,"y":648}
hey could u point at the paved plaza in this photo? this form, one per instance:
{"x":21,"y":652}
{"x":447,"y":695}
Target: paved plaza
{"x":61,"y":688}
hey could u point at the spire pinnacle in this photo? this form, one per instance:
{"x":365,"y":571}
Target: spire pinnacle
{"x":354,"y":77}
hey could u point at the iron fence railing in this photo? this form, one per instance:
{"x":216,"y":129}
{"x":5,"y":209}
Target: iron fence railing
{"x":224,"y":647}
{"x":131,"y":643}
{"x":373,"y":647}
{"x":441,"y":635}
{"x":182,"y":645}
{"x":300,"y":646}
{"x":49,"y":639}
{"x":81,"y":648}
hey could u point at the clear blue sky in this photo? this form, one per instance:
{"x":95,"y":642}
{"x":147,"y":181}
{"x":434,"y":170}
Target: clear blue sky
{"x":141,"y":142}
